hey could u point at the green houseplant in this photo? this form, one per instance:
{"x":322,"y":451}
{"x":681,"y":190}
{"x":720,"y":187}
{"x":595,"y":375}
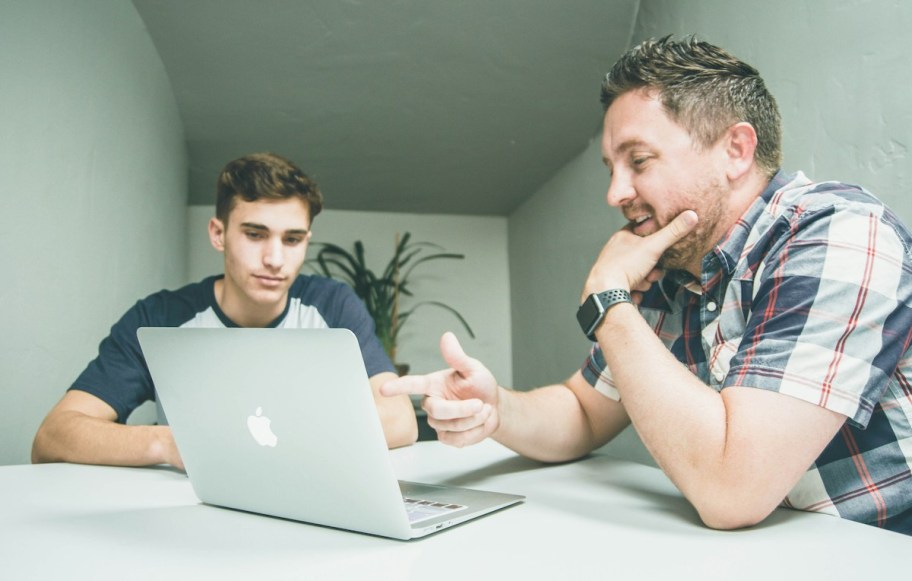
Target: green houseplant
{"x":381,"y":293}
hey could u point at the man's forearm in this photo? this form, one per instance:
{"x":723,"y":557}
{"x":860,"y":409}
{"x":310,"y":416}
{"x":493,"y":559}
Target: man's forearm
{"x":397,"y":415}
{"x":680,"y":420}
{"x":736,"y":454}
{"x":71,"y":436}
{"x":717,"y":450}
{"x":548,"y":424}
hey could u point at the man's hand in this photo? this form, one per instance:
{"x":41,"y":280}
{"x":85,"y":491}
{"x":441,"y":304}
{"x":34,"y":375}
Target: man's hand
{"x":461,"y":402}
{"x":629,"y":261}
{"x":169,"y":452}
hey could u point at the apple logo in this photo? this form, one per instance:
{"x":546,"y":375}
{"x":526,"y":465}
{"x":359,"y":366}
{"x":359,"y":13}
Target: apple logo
{"x":259,"y":428}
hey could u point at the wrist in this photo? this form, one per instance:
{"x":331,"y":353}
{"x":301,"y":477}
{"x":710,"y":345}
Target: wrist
{"x":500,"y":409}
{"x":591,"y":313}
{"x":616,"y":319}
{"x":162,"y":449}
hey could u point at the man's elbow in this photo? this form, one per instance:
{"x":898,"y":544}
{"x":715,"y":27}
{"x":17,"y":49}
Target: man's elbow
{"x":724,"y":512}
{"x":37,"y":454}
{"x":54,"y":439}
{"x":41,"y":448}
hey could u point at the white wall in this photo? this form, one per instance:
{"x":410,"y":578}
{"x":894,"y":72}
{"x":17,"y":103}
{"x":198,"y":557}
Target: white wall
{"x":840,"y":72}
{"x":478,"y":286}
{"x":92,"y":194}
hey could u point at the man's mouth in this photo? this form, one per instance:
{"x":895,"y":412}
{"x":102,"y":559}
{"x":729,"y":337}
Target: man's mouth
{"x":269,"y":280}
{"x":640,"y":224}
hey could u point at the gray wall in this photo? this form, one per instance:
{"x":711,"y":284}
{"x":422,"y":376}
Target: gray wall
{"x":92,"y":194}
{"x":841,"y":74}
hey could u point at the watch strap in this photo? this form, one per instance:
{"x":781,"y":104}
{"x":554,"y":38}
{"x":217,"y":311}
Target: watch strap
{"x":609,"y":298}
{"x":602,"y":302}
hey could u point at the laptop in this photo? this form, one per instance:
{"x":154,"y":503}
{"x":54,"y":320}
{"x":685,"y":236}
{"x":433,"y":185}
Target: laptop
{"x":282,"y":422}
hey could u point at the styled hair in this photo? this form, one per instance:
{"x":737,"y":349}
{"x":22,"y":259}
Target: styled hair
{"x":704,"y":89}
{"x":264,"y":176}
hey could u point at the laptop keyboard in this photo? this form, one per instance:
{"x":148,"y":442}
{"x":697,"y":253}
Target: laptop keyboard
{"x":419,"y":510}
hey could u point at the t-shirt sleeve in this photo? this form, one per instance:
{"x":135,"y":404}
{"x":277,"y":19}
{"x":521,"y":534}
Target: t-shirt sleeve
{"x":349,"y":312}
{"x":830,"y":317}
{"x":118,"y":375}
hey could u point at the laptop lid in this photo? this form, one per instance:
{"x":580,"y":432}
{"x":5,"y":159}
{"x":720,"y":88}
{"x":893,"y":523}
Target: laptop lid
{"x":283,"y":422}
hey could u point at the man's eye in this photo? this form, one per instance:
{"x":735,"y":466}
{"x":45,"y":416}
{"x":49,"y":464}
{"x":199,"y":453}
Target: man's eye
{"x":638,"y":164}
{"x":293,"y":241}
{"x":254,"y":235}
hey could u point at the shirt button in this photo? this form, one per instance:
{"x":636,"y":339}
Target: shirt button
{"x":711,"y":307}
{"x":718,"y":375}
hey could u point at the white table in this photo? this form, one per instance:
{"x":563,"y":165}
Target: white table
{"x":599,"y":518}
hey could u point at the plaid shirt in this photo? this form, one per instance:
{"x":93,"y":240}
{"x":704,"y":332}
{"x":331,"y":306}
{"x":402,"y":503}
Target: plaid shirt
{"x":810,"y":295}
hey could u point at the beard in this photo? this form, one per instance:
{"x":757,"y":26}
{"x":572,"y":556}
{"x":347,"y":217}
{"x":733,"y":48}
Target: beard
{"x":688,"y":252}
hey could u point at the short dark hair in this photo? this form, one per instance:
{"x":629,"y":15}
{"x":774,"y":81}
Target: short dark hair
{"x":704,"y":89}
{"x":264,"y":176}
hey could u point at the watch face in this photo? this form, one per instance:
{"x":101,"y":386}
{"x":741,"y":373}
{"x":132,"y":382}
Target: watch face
{"x":589,"y":314}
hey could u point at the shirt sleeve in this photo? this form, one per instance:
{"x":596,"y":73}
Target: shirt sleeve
{"x":830,"y":317}
{"x":119,"y":375}
{"x":349,"y":312}
{"x":595,"y":371}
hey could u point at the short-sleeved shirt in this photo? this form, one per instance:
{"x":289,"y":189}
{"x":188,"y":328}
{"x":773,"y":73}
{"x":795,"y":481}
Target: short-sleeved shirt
{"x":119,"y":376}
{"x":809,"y":295}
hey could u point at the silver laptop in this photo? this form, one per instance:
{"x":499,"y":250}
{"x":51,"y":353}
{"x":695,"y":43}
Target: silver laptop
{"x":282,"y":422}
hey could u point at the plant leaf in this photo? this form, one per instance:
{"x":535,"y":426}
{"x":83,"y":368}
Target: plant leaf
{"x":405,"y":315}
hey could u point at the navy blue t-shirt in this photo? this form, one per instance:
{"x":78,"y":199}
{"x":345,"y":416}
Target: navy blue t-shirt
{"x":119,"y":375}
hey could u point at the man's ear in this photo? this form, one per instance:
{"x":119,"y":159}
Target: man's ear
{"x":741,"y":144}
{"x":217,"y":234}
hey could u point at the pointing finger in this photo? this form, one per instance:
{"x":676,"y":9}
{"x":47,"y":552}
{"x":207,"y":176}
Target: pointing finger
{"x":410,"y":384}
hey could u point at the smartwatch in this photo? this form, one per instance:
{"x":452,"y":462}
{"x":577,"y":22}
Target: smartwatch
{"x":592,"y":311}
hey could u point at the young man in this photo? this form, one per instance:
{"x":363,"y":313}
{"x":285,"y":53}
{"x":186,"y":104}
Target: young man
{"x":754,"y":326}
{"x":264,"y":211}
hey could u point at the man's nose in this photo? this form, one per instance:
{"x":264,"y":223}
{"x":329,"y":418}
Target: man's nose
{"x":274,"y":254}
{"x":620,"y":190}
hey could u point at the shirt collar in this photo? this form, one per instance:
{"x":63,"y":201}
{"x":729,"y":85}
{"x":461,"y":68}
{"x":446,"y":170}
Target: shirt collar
{"x":726,"y":253}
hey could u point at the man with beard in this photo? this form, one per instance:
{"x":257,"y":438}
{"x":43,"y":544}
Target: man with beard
{"x":753,"y":325}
